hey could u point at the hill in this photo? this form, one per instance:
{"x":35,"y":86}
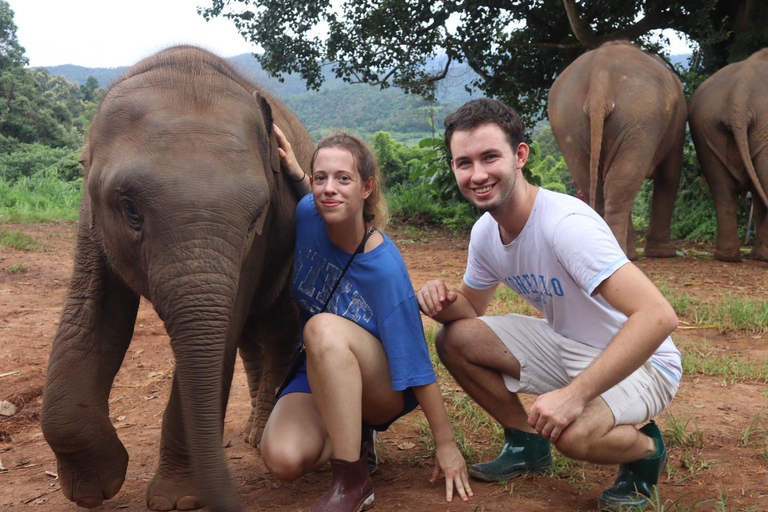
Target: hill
{"x":357,"y":107}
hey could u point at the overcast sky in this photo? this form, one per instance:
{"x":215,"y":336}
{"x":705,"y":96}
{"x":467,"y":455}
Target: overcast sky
{"x":106,"y":33}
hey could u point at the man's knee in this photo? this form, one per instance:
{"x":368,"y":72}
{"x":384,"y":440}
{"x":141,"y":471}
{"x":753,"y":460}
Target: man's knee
{"x":574,"y":444}
{"x":452,"y":340}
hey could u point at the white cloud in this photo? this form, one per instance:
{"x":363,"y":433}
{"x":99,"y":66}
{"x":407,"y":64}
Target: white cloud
{"x":108,"y":33}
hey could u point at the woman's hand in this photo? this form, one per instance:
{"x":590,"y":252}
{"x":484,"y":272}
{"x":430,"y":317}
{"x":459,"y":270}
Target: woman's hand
{"x":288,"y":160}
{"x":448,"y":461}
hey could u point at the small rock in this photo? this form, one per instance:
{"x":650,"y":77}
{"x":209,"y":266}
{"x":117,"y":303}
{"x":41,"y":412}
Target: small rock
{"x":7,"y":408}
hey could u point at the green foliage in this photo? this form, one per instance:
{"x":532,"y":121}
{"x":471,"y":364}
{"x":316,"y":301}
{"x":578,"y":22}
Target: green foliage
{"x":39,"y":198}
{"x":546,"y":172}
{"x":37,"y":159}
{"x":365,"y":110}
{"x":516,"y":49}
{"x":11,"y":52}
{"x":396,"y":160}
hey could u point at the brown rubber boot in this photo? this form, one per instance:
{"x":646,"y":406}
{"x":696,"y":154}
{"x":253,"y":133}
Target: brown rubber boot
{"x":351,"y":491}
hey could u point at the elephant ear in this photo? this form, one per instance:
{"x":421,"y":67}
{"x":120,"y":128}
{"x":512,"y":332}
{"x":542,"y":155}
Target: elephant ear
{"x":266,"y":113}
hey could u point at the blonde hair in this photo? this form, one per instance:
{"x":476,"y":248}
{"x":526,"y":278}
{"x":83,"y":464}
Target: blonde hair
{"x":375,"y":209}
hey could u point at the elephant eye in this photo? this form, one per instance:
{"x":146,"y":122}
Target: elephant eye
{"x":131,"y":212}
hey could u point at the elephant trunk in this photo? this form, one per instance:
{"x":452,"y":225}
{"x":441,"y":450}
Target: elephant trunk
{"x":195,"y":297}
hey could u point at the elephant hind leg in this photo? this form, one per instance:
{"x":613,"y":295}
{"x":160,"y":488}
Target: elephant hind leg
{"x":760,"y":249}
{"x":666,"y":181}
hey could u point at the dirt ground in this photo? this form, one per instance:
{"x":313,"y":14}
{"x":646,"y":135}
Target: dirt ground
{"x":723,"y":472}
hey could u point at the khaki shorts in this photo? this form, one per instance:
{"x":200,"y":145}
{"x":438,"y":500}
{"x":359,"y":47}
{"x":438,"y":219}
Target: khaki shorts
{"x":549,"y":361}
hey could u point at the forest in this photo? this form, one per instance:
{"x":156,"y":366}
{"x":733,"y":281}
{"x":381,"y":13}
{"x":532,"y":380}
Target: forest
{"x":42,"y":128}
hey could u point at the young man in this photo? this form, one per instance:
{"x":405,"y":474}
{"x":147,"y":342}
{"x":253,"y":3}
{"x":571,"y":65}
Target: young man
{"x":601,"y":361}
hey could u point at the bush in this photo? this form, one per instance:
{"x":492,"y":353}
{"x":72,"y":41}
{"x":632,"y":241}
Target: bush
{"x":39,"y":198}
{"x":31,"y":159}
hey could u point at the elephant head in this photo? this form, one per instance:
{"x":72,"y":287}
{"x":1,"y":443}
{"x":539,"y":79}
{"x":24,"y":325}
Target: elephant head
{"x":185,"y":205}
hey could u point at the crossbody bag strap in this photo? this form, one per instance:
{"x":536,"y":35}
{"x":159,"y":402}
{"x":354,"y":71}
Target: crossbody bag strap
{"x":360,"y":248}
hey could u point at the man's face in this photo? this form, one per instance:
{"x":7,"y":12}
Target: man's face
{"x":485,"y":165}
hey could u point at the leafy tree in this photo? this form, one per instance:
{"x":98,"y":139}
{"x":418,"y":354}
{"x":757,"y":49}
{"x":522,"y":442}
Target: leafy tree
{"x":11,"y":52}
{"x":516,"y":47}
{"x":90,"y":90}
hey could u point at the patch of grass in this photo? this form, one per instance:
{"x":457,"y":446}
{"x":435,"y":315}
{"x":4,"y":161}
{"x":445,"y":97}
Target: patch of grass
{"x":714,"y":362}
{"x":17,"y":240}
{"x":39,"y":198}
{"x":728,"y":311}
{"x":18,"y":268}
{"x":756,"y":432}
{"x":676,"y":432}
{"x":506,"y":301}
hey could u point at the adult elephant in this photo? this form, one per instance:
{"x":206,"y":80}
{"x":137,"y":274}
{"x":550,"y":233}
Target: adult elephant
{"x":184,"y":204}
{"x":618,"y":115}
{"x":729,"y":126}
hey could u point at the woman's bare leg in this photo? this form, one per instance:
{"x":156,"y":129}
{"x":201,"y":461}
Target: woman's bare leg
{"x":349,"y":374}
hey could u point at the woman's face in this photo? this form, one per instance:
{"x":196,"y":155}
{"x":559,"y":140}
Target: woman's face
{"x":337,"y":186}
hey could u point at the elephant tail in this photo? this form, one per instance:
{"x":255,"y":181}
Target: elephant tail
{"x":742,"y":143}
{"x":597,"y":117}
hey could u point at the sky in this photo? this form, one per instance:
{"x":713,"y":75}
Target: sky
{"x":106,"y":33}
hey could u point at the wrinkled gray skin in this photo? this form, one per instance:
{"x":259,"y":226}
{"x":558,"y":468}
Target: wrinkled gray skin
{"x":618,"y":115}
{"x":185,"y":205}
{"x":728,"y":117}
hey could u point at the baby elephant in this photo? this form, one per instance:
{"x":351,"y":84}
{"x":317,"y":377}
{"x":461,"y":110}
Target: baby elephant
{"x":184,"y":204}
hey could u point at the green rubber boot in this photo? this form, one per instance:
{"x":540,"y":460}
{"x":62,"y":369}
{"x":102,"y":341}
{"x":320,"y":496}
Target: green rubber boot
{"x":634,"y":485}
{"x":522,"y":453}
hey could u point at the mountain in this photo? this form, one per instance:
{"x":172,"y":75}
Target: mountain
{"x":360,"y":108}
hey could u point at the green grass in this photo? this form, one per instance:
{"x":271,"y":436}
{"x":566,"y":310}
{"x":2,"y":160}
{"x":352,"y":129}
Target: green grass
{"x":705,"y":360}
{"x":39,"y":199}
{"x":18,"y":268}
{"x":677,"y":434}
{"x":506,"y":301}
{"x":728,"y":311}
{"x":17,"y":240}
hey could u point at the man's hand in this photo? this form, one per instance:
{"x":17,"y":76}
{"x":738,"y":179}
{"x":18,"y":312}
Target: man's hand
{"x":434,"y":296}
{"x":552,"y":412}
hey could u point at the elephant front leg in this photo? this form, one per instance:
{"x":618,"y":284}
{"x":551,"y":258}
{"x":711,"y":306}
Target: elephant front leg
{"x":172,"y":487}
{"x":95,"y":331}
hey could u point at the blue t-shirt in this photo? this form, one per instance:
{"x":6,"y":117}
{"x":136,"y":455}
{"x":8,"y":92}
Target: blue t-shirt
{"x":375,"y":293}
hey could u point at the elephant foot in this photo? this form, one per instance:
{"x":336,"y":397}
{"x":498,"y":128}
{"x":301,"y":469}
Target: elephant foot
{"x":759,"y":253}
{"x":660,"y":251}
{"x":631,"y":254}
{"x":88,"y":478}
{"x":728,"y":256}
{"x":172,"y":493}
{"x":254,"y":428}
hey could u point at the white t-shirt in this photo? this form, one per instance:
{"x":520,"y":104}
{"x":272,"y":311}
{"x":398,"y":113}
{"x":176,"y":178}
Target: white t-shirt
{"x":560,"y":257}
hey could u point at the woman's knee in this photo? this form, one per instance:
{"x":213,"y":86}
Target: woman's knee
{"x":324,"y":332}
{"x":284,"y":460}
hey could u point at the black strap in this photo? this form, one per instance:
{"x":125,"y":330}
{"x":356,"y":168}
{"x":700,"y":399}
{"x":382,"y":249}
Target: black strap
{"x":360,"y":248}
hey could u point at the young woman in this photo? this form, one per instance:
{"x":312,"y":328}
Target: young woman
{"x":366,"y":356}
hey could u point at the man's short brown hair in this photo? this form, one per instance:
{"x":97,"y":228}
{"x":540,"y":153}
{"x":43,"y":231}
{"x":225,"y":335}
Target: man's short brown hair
{"x":483,"y":111}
